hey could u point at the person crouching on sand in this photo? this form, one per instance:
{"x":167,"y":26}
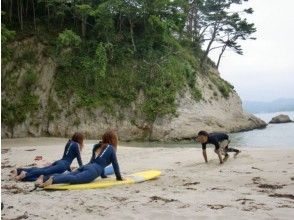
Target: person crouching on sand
{"x":71,"y":151}
{"x":220,"y":141}
{"x":104,"y":156}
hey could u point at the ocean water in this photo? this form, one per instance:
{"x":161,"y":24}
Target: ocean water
{"x":273,"y":136}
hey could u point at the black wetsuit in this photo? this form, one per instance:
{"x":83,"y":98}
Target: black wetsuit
{"x":215,"y":139}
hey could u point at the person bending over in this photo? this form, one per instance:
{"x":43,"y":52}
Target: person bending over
{"x":220,"y":141}
{"x":104,"y":156}
{"x":71,"y":151}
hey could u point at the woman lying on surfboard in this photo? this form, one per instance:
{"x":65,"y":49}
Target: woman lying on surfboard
{"x":105,"y":155}
{"x":107,"y":170}
{"x":71,"y":151}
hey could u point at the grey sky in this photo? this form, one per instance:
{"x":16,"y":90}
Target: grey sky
{"x":266,"y":70}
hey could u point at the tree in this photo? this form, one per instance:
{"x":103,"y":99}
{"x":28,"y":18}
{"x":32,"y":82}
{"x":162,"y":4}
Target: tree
{"x":83,"y":11}
{"x":240,"y":29}
{"x":211,"y":21}
{"x":109,"y":51}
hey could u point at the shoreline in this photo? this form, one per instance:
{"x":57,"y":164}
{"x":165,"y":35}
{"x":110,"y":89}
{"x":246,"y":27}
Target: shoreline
{"x":54,"y":141}
{"x":258,"y":184}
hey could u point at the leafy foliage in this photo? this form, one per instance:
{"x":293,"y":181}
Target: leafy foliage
{"x":110,"y":51}
{"x":223,"y":86}
{"x":215,"y":22}
{"x":68,"y":39}
{"x":6,"y":36}
{"x":17,"y":103}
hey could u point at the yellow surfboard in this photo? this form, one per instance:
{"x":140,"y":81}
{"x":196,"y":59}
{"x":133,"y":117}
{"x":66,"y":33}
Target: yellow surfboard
{"x":109,"y":182}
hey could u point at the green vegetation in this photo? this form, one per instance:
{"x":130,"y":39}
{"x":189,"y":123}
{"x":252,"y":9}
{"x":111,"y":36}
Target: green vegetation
{"x":6,"y":37}
{"x":28,"y":56}
{"x":223,"y":86}
{"x":161,"y":86}
{"x":96,"y":82}
{"x":18,"y":102}
{"x":68,"y":39}
{"x":109,"y":51}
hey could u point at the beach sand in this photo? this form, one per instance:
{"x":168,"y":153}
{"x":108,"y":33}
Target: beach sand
{"x":258,"y":184}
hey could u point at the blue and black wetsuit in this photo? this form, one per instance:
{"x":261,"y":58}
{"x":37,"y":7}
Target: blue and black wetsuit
{"x":216,"y":139}
{"x":92,"y":170}
{"x":71,"y":151}
{"x":107,"y":170}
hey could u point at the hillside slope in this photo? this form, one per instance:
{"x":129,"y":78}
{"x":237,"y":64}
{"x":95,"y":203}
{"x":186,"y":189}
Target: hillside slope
{"x":34,"y":102}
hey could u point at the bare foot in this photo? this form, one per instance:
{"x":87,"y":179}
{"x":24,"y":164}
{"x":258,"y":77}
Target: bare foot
{"x":237,"y":153}
{"x":39,"y":181}
{"x":226,"y":157}
{"x":47,"y":183}
{"x":13,"y":173}
{"x":21,"y":176}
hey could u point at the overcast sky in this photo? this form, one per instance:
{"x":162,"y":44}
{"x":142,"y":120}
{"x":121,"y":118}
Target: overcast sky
{"x":266,"y":70}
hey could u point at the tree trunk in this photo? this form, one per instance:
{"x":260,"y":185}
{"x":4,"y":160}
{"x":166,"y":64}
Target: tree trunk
{"x":48,"y":15}
{"x":77,"y":27}
{"x":34,"y":14}
{"x":18,"y":16}
{"x":190,"y":21}
{"x":62,"y":18}
{"x":62,"y":22}
{"x":19,"y":13}
{"x":220,"y":55}
{"x":84,"y":25}
{"x":10,"y":11}
{"x":120,"y":22}
{"x":196,"y":23}
{"x":204,"y":58}
{"x":132,"y":35}
{"x":27,"y":8}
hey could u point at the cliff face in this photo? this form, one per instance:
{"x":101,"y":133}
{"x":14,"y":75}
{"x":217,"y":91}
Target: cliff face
{"x":52,"y":116}
{"x":214,"y":113}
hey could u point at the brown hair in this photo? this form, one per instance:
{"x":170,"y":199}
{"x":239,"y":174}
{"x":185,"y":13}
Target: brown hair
{"x":203,"y":133}
{"x":78,"y":137}
{"x":110,"y":137}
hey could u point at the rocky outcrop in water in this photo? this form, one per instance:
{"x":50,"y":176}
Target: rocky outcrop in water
{"x":280,"y":119}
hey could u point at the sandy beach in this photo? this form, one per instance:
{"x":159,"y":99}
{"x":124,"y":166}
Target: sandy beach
{"x":258,"y":184}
